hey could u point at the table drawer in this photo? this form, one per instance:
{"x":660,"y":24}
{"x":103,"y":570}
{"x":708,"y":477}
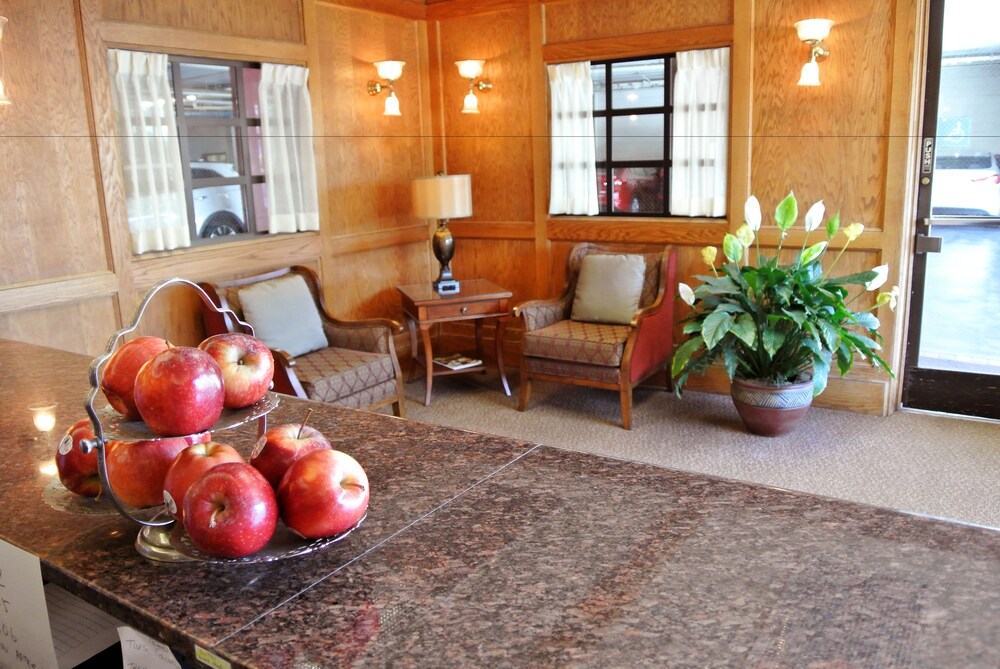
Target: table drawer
{"x":469,"y":310}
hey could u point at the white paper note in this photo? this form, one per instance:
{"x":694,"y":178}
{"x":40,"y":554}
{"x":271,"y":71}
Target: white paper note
{"x":25,"y":636}
{"x":79,"y":630}
{"x":141,"y":652}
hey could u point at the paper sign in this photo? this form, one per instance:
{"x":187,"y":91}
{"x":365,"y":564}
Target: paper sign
{"x":25,"y":636}
{"x":141,"y":652}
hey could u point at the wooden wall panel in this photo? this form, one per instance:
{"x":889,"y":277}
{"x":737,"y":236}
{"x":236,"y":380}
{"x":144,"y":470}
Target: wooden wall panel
{"x":591,"y":19}
{"x":80,"y":327}
{"x":265,"y":19}
{"x":364,"y":285}
{"x":50,"y":218}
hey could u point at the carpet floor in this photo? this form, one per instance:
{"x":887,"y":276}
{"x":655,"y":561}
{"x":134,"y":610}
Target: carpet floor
{"x":933,"y":465}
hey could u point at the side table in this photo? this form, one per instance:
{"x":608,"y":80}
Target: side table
{"x":477,"y":300}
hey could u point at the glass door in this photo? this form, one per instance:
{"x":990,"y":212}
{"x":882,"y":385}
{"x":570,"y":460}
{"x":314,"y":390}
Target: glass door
{"x":953,"y":342}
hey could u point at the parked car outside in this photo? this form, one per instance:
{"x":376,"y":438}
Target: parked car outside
{"x":966,"y":185}
{"x":218,"y":210}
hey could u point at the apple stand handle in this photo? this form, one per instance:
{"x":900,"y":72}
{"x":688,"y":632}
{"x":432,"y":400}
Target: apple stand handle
{"x":99,"y":442}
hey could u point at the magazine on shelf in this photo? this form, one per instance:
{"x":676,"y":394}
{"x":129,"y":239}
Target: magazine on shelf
{"x":456,"y":361}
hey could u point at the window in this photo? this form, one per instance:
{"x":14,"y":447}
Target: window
{"x":631,"y":116}
{"x":661,"y":129}
{"x":218,"y":122}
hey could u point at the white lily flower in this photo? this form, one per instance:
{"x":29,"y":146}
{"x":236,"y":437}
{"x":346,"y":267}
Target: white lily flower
{"x":881,"y":274}
{"x":853,"y":231}
{"x":815,"y":216}
{"x":686,"y":293}
{"x":751,"y":213}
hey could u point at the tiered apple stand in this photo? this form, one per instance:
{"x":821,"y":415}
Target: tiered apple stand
{"x":161,"y":537}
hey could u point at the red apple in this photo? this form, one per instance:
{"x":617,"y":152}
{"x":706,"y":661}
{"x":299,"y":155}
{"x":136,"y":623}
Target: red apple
{"x":280,"y":446}
{"x":179,"y":391}
{"x":247,"y":366}
{"x":231,"y":511}
{"x":188,"y":467}
{"x":136,"y":469}
{"x":323,"y":493}
{"x":78,"y":472}
{"x":118,"y":380}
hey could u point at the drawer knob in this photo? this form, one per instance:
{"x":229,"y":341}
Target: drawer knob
{"x":464,"y":310}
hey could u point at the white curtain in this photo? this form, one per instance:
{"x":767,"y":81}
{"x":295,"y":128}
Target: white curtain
{"x":700,"y":133}
{"x":573,"y":188}
{"x":289,"y":164}
{"x":150,"y":151}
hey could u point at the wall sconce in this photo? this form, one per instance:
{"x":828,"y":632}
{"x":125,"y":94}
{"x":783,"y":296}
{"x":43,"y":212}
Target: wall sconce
{"x":442,"y":197}
{"x":470,"y":69}
{"x":390,"y":70}
{"x":4,"y":100}
{"x":813,"y":32}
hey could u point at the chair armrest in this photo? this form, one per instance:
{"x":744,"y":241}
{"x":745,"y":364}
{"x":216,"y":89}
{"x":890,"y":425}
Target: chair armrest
{"x":373,"y":335}
{"x":653,"y":336}
{"x":538,"y":314}
{"x":285,"y":379}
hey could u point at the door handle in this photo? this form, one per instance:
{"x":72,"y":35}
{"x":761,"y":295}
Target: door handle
{"x":928,"y":244}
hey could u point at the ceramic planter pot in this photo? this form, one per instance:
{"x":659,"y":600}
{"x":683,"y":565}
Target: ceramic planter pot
{"x":769,"y":410}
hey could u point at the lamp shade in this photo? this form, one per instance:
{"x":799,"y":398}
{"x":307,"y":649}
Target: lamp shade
{"x":443,"y":196}
{"x":471,"y":104}
{"x":810,"y":74}
{"x":390,"y":69}
{"x":391,"y":105}
{"x":813,"y":30}
{"x":470,"y":69}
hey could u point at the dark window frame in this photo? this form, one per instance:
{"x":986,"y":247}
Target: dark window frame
{"x":239,"y":123}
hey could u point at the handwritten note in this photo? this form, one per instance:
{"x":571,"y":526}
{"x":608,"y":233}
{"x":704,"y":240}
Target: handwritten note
{"x":79,"y":630}
{"x":141,"y":652}
{"x":25,"y":636}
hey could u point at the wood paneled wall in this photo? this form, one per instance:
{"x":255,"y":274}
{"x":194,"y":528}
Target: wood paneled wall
{"x":69,"y":278}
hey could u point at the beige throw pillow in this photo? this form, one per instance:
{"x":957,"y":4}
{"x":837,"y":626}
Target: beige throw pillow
{"x":284,"y":315}
{"x":608,"y":288}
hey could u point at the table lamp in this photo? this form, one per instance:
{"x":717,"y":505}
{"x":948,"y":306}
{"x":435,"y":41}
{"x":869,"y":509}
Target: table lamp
{"x":443,"y":197}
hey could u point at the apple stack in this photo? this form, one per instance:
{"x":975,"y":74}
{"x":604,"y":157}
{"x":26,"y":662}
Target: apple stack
{"x":228,"y":507}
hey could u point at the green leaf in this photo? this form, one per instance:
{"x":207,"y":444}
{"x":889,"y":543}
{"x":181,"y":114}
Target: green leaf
{"x":786,"y":212}
{"x":845,"y":359}
{"x":830,"y":334}
{"x":732,"y":247}
{"x":833,"y":225}
{"x":859,"y":279}
{"x":732,"y":361}
{"x":716,"y":326}
{"x":813,"y":252}
{"x":866,"y":319}
{"x":772,"y":340}
{"x":745,"y":329}
{"x":692,"y":326}
{"x":796,"y":315}
{"x":821,"y":371}
{"x":683,"y":354}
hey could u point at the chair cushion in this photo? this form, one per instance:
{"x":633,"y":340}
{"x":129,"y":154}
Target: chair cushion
{"x":608,"y":288}
{"x":575,"y":341}
{"x":332,"y":374}
{"x":283,"y":314}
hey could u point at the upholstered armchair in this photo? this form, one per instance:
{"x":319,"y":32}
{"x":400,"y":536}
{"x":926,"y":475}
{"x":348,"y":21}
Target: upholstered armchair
{"x":612,"y":326}
{"x":316,"y":356}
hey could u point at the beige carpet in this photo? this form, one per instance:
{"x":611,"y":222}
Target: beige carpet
{"x":928,"y":464}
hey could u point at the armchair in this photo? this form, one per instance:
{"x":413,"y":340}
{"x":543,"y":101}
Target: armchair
{"x":348,"y":363}
{"x":616,"y":356}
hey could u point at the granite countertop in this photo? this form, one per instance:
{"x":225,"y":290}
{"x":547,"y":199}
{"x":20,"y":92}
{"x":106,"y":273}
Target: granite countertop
{"x":484,"y":551}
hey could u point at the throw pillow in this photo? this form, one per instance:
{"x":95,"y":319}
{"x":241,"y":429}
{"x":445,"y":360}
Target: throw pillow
{"x":608,"y":288}
{"x":284,"y":315}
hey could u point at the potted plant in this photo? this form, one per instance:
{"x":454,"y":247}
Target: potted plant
{"x":779,"y":327}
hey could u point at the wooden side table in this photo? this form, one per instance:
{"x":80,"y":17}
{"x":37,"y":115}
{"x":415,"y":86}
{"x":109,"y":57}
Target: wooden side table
{"x":477,"y":300}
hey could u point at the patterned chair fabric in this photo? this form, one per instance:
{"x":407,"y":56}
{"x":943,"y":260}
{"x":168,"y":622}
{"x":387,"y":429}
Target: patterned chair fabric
{"x":602,"y":355}
{"x":358,"y":370}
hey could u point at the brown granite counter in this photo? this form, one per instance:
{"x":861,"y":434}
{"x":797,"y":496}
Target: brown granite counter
{"x":483,"y":551}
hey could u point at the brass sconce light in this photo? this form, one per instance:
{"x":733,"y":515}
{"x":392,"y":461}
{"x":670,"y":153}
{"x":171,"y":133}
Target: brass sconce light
{"x":813,"y":32}
{"x":471,"y":69}
{"x":390,"y":70}
{"x":4,"y":100}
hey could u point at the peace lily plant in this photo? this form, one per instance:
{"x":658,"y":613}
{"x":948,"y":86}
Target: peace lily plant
{"x":780,"y":323}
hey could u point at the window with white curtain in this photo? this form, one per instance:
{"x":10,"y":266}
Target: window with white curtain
{"x":213,"y":149}
{"x":661,"y":127}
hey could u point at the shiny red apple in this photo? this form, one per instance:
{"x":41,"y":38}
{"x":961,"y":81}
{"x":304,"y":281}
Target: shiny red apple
{"x":136,"y":469}
{"x":118,"y":380}
{"x":179,"y":391}
{"x":323,"y":493}
{"x":78,"y":471}
{"x":280,"y":446}
{"x":188,"y":467}
{"x":231,"y":511}
{"x":247,"y":366}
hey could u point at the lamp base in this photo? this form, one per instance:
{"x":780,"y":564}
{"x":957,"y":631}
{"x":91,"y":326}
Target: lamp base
{"x":447,"y":287}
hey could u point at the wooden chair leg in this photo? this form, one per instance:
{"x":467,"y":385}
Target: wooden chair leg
{"x":398,"y":410}
{"x":524,"y":393}
{"x":626,"y":394}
